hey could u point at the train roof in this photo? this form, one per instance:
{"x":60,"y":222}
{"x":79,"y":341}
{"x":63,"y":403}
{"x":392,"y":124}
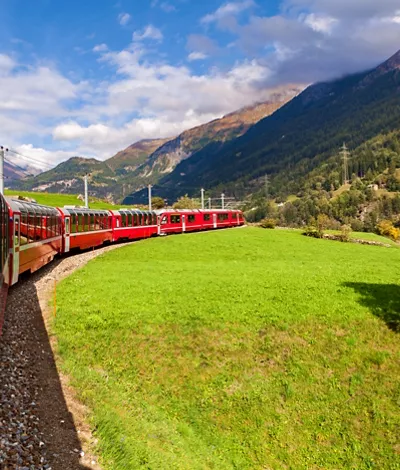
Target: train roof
{"x":26,"y":207}
{"x":200,"y":211}
{"x":76,"y":210}
{"x":133,"y":211}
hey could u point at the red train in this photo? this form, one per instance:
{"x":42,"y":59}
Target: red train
{"x":31,"y":235}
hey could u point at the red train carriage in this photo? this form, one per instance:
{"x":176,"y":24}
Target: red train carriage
{"x":129,"y":224}
{"x":35,"y":234}
{"x":193,"y":220}
{"x":4,"y":257}
{"x":85,"y":228}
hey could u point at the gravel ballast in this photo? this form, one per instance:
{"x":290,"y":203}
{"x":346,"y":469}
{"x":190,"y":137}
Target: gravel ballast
{"x":42,"y":425}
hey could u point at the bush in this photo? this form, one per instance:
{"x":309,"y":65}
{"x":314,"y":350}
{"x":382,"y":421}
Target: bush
{"x":387,"y":229}
{"x":268,"y":223}
{"x":312,"y":231}
{"x":357,"y":225}
{"x":345,"y":232}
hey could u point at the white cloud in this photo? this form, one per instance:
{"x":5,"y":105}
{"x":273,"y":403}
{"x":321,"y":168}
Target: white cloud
{"x":228,"y":9}
{"x":166,"y":99}
{"x":41,"y":90}
{"x":197,"y":56}
{"x":100,"y":48}
{"x":124,"y":18}
{"x":146,"y":97}
{"x":35,"y":155}
{"x":167,"y":7}
{"x":320,"y":23}
{"x":149,"y":32}
{"x":6,"y":64}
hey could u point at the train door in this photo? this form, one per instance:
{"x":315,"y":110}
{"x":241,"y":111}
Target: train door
{"x":215,"y":220}
{"x":158,"y":225}
{"x":15,"y":248}
{"x":183,"y":223}
{"x":67,"y":229}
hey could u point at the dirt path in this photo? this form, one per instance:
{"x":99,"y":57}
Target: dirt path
{"x":42,"y":424}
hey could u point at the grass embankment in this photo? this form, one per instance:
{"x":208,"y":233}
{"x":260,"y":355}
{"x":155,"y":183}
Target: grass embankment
{"x":240,"y":349}
{"x":60,"y":200}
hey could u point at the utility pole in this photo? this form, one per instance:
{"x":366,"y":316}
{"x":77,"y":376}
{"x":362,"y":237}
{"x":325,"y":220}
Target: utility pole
{"x":345,"y":157}
{"x":209,"y":203}
{"x":2,"y":151}
{"x":202,"y":198}
{"x":86,"y":190}
{"x":149,"y":189}
{"x":223,"y":200}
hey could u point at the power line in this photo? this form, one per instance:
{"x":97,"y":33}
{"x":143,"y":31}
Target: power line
{"x":16,"y":166}
{"x":31,"y":158}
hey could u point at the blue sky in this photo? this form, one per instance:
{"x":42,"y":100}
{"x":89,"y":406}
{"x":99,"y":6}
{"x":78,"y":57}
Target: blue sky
{"x":91,"y":77}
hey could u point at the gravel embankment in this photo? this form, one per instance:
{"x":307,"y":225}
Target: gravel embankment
{"x":42,"y":425}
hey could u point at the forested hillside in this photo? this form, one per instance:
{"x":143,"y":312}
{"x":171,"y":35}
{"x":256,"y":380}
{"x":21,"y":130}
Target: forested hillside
{"x":299,"y":141}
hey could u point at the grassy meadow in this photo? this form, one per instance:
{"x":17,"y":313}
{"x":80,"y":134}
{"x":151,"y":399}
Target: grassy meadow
{"x":60,"y":200}
{"x":237,"y":349}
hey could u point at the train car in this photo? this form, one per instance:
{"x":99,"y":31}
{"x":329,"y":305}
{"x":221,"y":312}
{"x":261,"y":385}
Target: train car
{"x":85,"y":228}
{"x":131,"y":224}
{"x":4,"y":257}
{"x":35,"y":234}
{"x":193,"y":220}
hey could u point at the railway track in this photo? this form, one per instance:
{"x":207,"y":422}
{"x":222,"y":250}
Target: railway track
{"x":42,"y":425}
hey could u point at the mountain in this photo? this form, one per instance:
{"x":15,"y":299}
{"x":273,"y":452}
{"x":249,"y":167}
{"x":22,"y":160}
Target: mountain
{"x":67,"y":177}
{"x":165,"y":159}
{"x":296,"y":139}
{"x":129,"y":159}
{"x":146,"y":161}
{"x":169,"y":155}
{"x":14,"y":172}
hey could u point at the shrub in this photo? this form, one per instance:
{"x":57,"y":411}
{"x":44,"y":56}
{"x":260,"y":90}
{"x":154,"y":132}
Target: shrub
{"x":387,"y":229}
{"x":312,"y":231}
{"x":357,"y":225}
{"x":345,"y":232}
{"x":268,"y":223}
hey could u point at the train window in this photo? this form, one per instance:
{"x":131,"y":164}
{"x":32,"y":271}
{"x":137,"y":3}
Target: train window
{"x":73,"y":223}
{"x":164,"y":220}
{"x":130,"y":220}
{"x":222,"y":217}
{"x":123,"y":220}
{"x":139,"y":219}
{"x":91,"y":221}
{"x":80,"y":223}
{"x":191,"y":218}
{"x":16,"y":232}
{"x":206,"y":217}
{"x":175,"y":219}
{"x":24,"y":228}
{"x":31,"y":228}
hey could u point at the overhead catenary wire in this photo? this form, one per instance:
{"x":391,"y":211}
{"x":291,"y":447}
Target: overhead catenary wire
{"x":15,"y":165}
{"x":36,"y":160}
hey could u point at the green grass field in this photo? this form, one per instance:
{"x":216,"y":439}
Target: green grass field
{"x":60,"y":200}
{"x":237,"y":349}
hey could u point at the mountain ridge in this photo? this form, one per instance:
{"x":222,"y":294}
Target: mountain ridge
{"x":301,"y":134}
{"x":148,"y":160}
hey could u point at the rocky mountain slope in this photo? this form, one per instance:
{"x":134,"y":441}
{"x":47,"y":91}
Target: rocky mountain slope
{"x":133,"y":156}
{"x":296,"y":139}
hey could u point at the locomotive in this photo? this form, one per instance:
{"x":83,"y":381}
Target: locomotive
{"x":31,"y":234}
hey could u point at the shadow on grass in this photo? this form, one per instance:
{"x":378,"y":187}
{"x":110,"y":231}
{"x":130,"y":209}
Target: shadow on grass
{"x":383,"y":300}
